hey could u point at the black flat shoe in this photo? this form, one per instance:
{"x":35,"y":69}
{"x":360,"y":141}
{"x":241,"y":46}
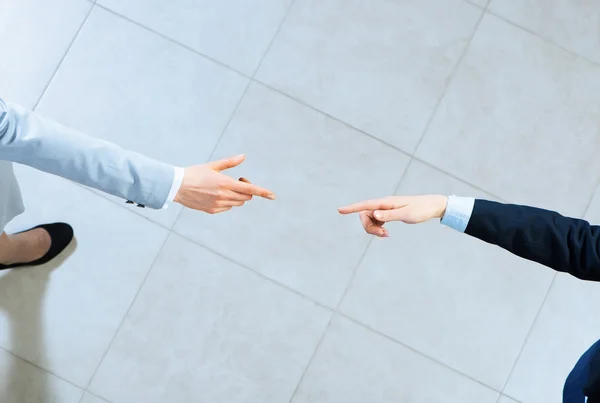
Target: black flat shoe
{"x":61,"y":235}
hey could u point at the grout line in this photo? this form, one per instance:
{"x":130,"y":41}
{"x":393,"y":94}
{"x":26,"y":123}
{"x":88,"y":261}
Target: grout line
{"x":333,"y":311}
{"x":406,"y":346}
{"x":283,"y":20}
{"x":543,"y":38}
{"x":92,"y":394}
{"x":312,"y":358}
{"x":235,"y":110}
{"x":510,"y":397}
{"x":45,"y":370}
{"x":243,"y":96}
{"x":263,"y":276}
{"x":451,"y":77}
{"x":249,"y":77}
{"x":507,"y":396}
{"x":295,"y":100}
{"x":105,"y":196}
{"x":160,"y":250}
{"x":63,"y":58}
{"x":529,"y":332}
{"x":486,"y":10}
{"x":477,"y":188}
{"x":211,"y":155}
{"x":338,"y":120}
{"x":233,"y":114}
{"x":355,"y":271}
{"x":479,"y":6}
{"x":589,"y":203}
{"x":173,"y":41}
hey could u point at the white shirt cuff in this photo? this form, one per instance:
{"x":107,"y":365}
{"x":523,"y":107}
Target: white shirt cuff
{"x":177,"y":181}
{"x":458,"y":212}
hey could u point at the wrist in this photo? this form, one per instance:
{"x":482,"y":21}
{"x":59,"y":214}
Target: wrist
{"x":178,"y":177}
{"x":441,"y":205}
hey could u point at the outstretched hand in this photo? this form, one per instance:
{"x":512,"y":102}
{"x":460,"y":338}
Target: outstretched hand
{"x":408,"y":209}
{"x":205,"y":188}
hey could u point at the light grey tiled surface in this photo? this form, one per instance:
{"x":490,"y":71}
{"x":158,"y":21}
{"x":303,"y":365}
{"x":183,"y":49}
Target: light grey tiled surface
{"x":378,"y":65}
{"x":426,"y":315}
{"x":446,"y":295}
{"x":89,"y":398}
{"x":354,"y":365}
{"x":63,"y":319}
{"x":572,"y":25}
{"x":316,"y":164}
{"x":234,"y":32}
{"x":521,"y":119}
{"x":593,"y":211}
{"x":479,"y":3}
{"x":21,"y":382}
{"x":35,"y":37}
{"x":563,"y":326}
{"x":136,"y":89}
{"x":234,"y":337}
{"x":505,"y":399}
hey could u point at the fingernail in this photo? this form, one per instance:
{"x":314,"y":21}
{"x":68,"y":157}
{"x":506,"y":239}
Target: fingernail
{"x":271,"y":197}
{"x":378,"y":215}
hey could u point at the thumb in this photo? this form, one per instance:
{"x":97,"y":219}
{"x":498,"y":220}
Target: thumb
{"x":399,"y":214}
{"x":227,"y":163}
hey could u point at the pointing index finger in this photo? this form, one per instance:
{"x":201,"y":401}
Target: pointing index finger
{"x":367,"y":205}
{"x":244,"y":186}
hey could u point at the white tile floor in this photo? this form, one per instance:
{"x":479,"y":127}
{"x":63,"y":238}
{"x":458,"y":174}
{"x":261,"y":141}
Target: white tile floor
{"x":333,"y":101}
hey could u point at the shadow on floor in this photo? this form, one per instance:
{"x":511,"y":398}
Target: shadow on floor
{"x":23,"y":384}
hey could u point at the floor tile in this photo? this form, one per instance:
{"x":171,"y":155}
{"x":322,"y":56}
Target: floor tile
{"x":315,"y":165}
{"x":21,"y":382}
{"x":63,"y":318}
{"x":356,"y":365}
{"x":144,"y":93}
{"x":505,"y":399}
{"x":235,"y":32}
{"x":465,"y":303}
{"x":572,"y":25}
{"x":89,"y":398}
{"x":566,"y":328}
{"x":519,"y":120}
{"x":236,"y":337}
{"x":480,"y":3}
{"x":35,"y":37}
{"x":378,"y":65}
{"x":593,"y":211}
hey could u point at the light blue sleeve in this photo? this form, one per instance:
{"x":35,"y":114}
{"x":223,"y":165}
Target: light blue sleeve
{"x":458,"y":212}
{"x":30,"y":139}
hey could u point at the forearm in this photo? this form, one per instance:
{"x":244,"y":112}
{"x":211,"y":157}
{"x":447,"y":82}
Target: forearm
{"x":562,"y":243}
{"x":29,"y":139}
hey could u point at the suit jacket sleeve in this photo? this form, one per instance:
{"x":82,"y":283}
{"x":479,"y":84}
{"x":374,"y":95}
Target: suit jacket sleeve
{"x":29,"y":139}
{"x":565,"y":244}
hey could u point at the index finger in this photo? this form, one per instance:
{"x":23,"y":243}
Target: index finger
{"x":251,"y":189}
{"x":367,"y":205}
